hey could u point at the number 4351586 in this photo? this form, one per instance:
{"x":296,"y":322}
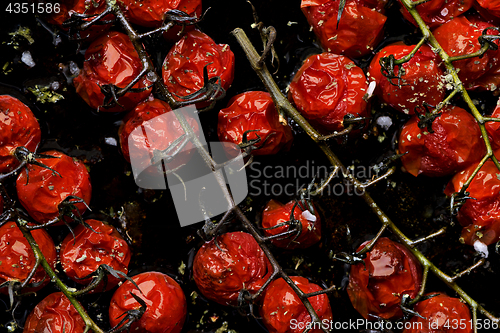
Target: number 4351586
{"x":32,"y":8}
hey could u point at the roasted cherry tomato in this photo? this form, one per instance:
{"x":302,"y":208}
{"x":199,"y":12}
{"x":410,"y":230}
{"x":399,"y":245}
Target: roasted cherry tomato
{"x":83,"y":253}
{"x":455,"y":144}
{"x":388,"y":272}
{"x":165,"y":300}
{"x":436,"y":12}
{"x":54,"y":313}
{"x":18,"y":128}
{"x":422,"y":80}
{"x":327,"y":88}
{"x":254,"y":110}
{"x":183,"y":66}
{"x":276,"y":213}
{"x":236,"y":262}
{"x":17,"y":258}
{"x":45,"y":190}
{"x":111,"y":59}
{"x":361,"y":26}
{"x":443,"y":314}
{"x":493,"y":128}
{"x":282,"y":310}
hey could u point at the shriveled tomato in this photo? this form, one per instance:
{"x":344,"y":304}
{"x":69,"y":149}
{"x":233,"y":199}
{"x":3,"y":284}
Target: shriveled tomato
{"x":18,"y":128}
{"x":83,"y":253}
{"x":45,"y":190}
{"x":493,"y":128}
{"x":361,"y":26}
{"x":111,"y":59}
{"x":183,"y":66}
{"x":17,"y":259}
{"x":488,"y":9}
{"x":165,"y":300}
{"x":327,"y":88}
{"x":388,"y":272}
{"x":282,"y":310}
{"x":276,"y":213}
{"x":436,"y":12}
{"x":422,"y":80}
{"x":221,"y":275}
{"x":455,"y":144}
{"x":254,"y":110}
{"x":54,"y":313}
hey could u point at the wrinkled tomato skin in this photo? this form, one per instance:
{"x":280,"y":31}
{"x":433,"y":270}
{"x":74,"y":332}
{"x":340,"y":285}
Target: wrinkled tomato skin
{"x":111,"y":59}
{"x":422,"y":81}
{"x":493,"y":128}
{"x":326,"y":88}
{"x":165,"y":300}
{"x":455,"y":144}
{"x":254,"y":110}
{"x":17,"y":258}
{"x":44,"y":192}
{"x":389,"y":271}
{"x":437,"y":12}
{"x":18,"y":127}
{"x":489,"y":10}
{"x":443,"y":314}
{"x":221,"y":275}
{"x":54,"y":314}
{"x":183,"y":66}
{"x":275,"y":213}
{"x":361,"y":26}
{"x":281,"y":306}
{"x":82,"y":254}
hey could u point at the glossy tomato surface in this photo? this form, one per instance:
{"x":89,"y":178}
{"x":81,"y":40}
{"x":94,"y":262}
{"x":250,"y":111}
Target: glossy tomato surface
{"x":18,"y":128}
{"x":165,"y":300}
{"x":489,"y":9}
{"x":493,"y":128}
{"x":45,"y":190}
{"x":388,"y":272}
{"x":436,"y":12}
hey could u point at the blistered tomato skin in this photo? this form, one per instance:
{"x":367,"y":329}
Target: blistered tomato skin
{"x":455,"y":144}
{"x":327,"y":88}
{"x":254,"y":110}
{"x":281,"y":307}
{"x":422,"y":80}
{"x":18,"y":128}
{"x":18,"y":259}
{"x":54,"y":314}
{"x":388,"y":272}
{"x":437,"y":12}
{"x":111,"y":59}
{"x":165,"y":300}
{"x":221,"y":275}
{"x":275,"y":213}
{"x":45,"y":190}
{"x":82,"y":254}
{"x":361,"y":26}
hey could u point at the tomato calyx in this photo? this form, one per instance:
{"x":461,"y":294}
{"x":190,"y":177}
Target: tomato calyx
{"x":427,"y":117}
{"x":25,"y":156}
{"x":294,"y":227}
{"x":387,"y":65}
{"x":112,"y":92}
{"x":457,"y":200}
{"x":77,"y":22}
{"x":130,"y":316}
{"x":487,"y":42}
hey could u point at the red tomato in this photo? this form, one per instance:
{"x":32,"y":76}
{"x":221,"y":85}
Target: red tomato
{"x":254,"y":110}
{"x":165,"y":300}
{"x":54,"y":313}
{"x":361,"y":26}
{"x":328,"y":87}
{"x":221,"y":275}
{"x":82,"y":254}
{"x":276,"y":213}
{"x":111,"y":59}
{"x":45,"y":190}
{"x":18,"y":127}
{"x":443,"y":314}
{"x":282,"y":310}
{"x":183,"y":66}
{"x":455,"y":144}
{"x":489,"y":9}
{"x":493,"y":128}
{"x":376,"y":286}
{"x":422,"y":80}
{"x":17,"y":258}
{"x":437,"y":12}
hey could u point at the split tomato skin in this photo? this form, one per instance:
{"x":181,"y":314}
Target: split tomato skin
{"x":437,"y":12}
{"x":18,"y":127}
{"x":221,"y":275}
{"x":44,"y":191}
{"x":275,"y":213}
{"x":254,"y":110}
{"x":111,"y":59}
{"x":388,"y":272}
{"x":282,"y":311}
{"x":166,"y":304}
